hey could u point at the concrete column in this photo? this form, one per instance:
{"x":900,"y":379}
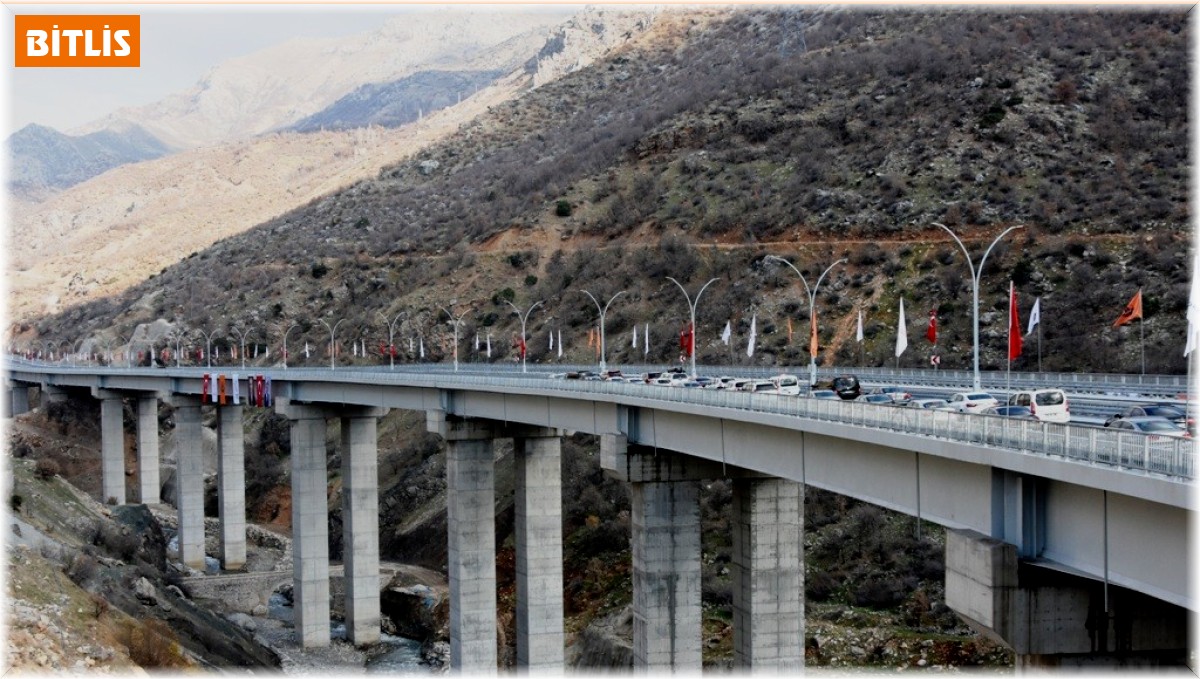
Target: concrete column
{"x":52,"y":394}
{"x":768,"y":575}
{"x":666,"y":575}
{"x":231,"y":486}
{"x":18,"y":400}
{"x":360,"y":521}
{"x":538,"y":459}
{"x":112,"y":449}
{"x":310,"y":524}
{"x":149,"y":482}
{"x":189,"y":480}
{"x":471,"y":519}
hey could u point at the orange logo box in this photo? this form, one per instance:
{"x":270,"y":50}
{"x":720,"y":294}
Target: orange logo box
{"x":105,"y":40}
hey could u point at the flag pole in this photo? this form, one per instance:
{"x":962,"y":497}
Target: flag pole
{"x":1142,"y":329}
{"x":1039,"y":327}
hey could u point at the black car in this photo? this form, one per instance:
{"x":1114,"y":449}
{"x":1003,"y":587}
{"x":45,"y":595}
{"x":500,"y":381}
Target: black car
{"x":1170,"y":412}
{"x":847,"y":387}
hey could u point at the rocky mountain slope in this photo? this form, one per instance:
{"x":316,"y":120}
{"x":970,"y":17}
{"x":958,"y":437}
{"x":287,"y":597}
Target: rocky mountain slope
{"x":721,"y":136}
{"x":44,"y":160}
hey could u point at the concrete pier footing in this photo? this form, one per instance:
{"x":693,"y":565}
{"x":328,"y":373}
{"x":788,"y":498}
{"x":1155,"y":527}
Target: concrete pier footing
{"x":231,"y":486}
{"x":310,"y":524}
{"x":538,"y":510}
{"x":189,"y":480}
{"x":112,"y":448}
{"x":360,"y":520}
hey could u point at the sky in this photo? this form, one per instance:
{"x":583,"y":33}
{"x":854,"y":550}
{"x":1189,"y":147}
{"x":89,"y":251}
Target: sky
{"x":180,"y":43}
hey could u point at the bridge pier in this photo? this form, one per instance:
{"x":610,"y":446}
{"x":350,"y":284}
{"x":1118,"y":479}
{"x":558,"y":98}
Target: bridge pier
{"x":1054,"y":619}
{"x":360,"y":520}
{"x":768,"y":574}
{"x":189,"y":479}
{"x":538,"y":509}
{"x":231,"y":486}
{"x":112,"y":446}
{"x":18,"y":400}
{"x":149,"y":482}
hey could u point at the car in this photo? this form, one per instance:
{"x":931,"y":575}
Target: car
{"x":1047,"y":405}
{"x":972,"y":401}
{"x":827,"y":394}
{"x":762,"y":387}
{"x":926,"y":403}
{"x":1171,"y":412}
{"x":787,"y":385}
{"x":847,"y":387}
{"x":877,"y":399}
{"x":722,"y":382}
{"x":1148,"y":424}
{"x":895,"y":393}
{"x":1017,"y":412}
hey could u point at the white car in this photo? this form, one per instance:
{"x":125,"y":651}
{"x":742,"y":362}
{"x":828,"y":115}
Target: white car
{"x":972,"y":401}
{"x":1047,"y":405}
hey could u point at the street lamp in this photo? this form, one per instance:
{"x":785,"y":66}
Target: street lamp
{"x":523,"y":319}
{"x":603,"y":311}
{"x":177,"y":334}
{"x":207,"y":347}
{"x":455,"y":322}
{"x":692,"y":309}
{"x":812,"y":310}
{"x":241,"y":335}
{"x":975,"y":274}
{"x":391,"y":336}
{"x":332,"y":347}
{"x":285,"y":336}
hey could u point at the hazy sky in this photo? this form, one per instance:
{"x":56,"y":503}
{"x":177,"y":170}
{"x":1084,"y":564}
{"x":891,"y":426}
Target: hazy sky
{"x":179,"y":44}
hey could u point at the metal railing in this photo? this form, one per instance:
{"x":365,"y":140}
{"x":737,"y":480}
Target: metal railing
{"x":1169,"y":456}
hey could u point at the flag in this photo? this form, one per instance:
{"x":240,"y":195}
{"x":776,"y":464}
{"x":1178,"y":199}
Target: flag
{"x":1132,"y":310}
{"x":354,"y":347}
{"x":551,"y":340}
{"x":931,"y":333}
{"x":305,"y":348}
{"x":1014,"y":324}
{"x":812,"y":334}
{"x":859,"y":335}
{"x":1193,"y":319}
{"x":476,"y":342}
{"x":591,"y":338}
{"x":1035,"y":315}
{"x":635,"y":337}
{"x":422,"y":346}
{"x":268,"y":352}
{"x":521,"y":347}
{"x":560,"y":343}
{"x":753,"y":335}
{"x":212,"y":387}
{"x":646,"y":343}
{"x":901,"y":332}
{"x":727,"y":333}
{"x":489,"y":345}
{"x":789,"y":322}
{"x":236,"y":389}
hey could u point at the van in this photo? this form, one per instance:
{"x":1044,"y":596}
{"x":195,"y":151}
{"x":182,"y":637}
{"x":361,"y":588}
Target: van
{"x":1047,"y":405}
{"x":787,"y":385}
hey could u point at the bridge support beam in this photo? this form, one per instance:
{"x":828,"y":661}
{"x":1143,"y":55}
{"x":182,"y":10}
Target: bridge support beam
{"x":310,"y":523}
{"x":18,"y":400}
{"x":471,"y":529}
{"x":360,"y":519}
{"x":231,"y":486}
{"x":538,"y":508}
{"x":149,"y":482}
{"x":112,"y":447}
{"x":53,"y":394}
{"x":1052,"y":618}
{"x":768,"y":574}
{"x":189,"y":480}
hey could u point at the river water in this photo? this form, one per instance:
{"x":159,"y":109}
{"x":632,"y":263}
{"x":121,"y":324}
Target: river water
{"x":402,"y":655}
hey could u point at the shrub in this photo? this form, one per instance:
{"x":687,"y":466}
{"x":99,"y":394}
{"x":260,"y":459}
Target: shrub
{"x":46,"y":469}
{"x":319,"y":270}
{"x":82,"y":568}
{"x":562,"y":208}
{"x":152,"y":643}
{"x":14,"y":502}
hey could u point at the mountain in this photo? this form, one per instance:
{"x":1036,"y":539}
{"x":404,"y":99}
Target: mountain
{"x":44,"y":159}
{"x":397,"y":103}
{"x":719,"y":136}
{"x":278,"y":86}
{"x":85,"y":243}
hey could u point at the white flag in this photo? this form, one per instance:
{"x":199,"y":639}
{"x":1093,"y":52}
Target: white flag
{"x":354,"y":347}
{"x":216,"y":353}
{"x":255,"y":350}
{"x":268,"y":350}
{"x":489,"y":345}
{"x":753,"y":335}
{"x":411,"y":344}
{"x":1193,"y":319}
{"x":1035,"y":315}
{"x":727,"y":333}
{"x":476,"y":341}
{"x":305,"y":348}
{"x":422,"y":344}
{"x":212,"y":391}
{"x":551,"y":340}
{"x":859,"y":335}
{"x":646,"y":343}
{"x":901,"y":332}
{"x":236,"y":389}
{"x":635,"y":337}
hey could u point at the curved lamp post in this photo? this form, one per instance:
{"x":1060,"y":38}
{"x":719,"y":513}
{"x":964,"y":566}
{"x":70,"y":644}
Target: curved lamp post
{"x":603,"y":312}
{"x":455,"y":322}
{"x":523,"y":319}
{"x":975,"y":274}
{"x":332,"y":347}
{"x":241,"y":335}
{"x":391,"y":336}
{"x":177,"y":335}
{"x":285,"y":336}
{"x":692,"y":310}
{"x":812,"y":306}
{"x":207,"y":346}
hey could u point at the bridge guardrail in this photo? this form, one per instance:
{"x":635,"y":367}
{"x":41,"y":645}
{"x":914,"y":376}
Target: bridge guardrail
{"x":1169,"y":456}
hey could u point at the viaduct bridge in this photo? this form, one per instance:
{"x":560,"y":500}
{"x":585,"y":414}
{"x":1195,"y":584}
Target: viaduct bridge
{"x":1069,"y":544}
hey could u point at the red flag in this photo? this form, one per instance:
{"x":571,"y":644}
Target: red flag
{"x":521,"y":346}
{"x":1132,"y":310}
{"x":1014,"y":325}
{"x":687,"y":342}
{"x":812,"y":333}
{"x":931,"y":333}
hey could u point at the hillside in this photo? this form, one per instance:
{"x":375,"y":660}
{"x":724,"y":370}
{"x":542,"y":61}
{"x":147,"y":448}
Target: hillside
{"x":43,"y":159}
{"x":720,"y":136}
